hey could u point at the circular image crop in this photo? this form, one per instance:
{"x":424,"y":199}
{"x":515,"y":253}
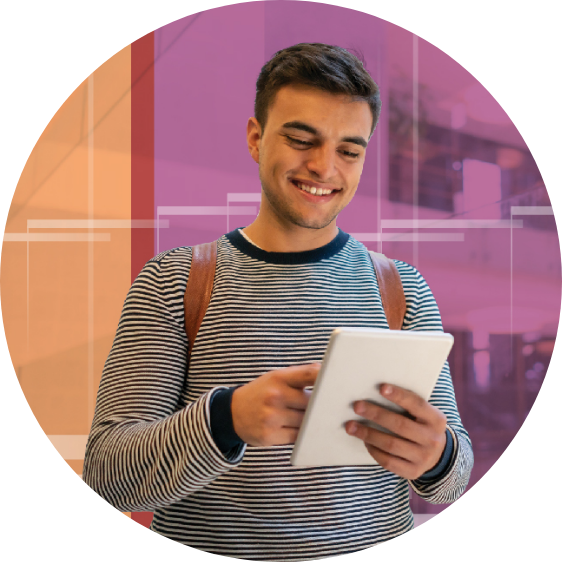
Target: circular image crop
{"x":150,"y":154}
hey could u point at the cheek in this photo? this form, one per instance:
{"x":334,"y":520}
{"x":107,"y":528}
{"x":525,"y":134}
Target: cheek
{"x":355,"y":176}
{"x":274,"y":170}
{"x":353,"y":190}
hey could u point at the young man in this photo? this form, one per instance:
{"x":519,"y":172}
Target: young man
{"x":209,"y":451}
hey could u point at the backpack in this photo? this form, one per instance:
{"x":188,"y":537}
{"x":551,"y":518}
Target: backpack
{"x":202,"y":275}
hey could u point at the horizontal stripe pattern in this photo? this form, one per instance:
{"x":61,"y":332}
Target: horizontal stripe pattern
{"x":150,"y":447}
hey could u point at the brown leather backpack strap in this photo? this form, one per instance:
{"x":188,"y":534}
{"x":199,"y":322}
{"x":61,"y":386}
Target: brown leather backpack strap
{"x":391,"y":290}
{"x":198,"y":290}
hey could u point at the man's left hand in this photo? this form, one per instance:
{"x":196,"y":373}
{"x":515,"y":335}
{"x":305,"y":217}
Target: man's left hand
{"x":419,"y":442}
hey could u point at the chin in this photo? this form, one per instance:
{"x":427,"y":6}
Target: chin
{"x":314,"y":224}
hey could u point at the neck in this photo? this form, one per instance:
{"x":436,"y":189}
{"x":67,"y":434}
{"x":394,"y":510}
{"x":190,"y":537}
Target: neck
{"x":273,"y":235}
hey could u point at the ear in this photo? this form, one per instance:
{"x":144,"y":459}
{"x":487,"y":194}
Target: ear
{"x":253,"y":135}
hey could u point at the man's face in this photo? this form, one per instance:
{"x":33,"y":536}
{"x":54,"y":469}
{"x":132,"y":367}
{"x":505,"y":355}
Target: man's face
{"x":310,"y":154}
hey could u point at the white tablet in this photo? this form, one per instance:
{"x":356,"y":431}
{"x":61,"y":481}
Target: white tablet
{"x":357,"y":361}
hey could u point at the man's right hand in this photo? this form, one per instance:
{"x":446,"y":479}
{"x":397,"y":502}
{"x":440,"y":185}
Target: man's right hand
{"x":269,"y":410}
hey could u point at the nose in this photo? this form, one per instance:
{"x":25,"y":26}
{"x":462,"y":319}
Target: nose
{"x":322,"y":163}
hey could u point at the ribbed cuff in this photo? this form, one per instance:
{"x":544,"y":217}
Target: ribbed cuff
{"x":222,"y":428}
{"x":442,"y":466}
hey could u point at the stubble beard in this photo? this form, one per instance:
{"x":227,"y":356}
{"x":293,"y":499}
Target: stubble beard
{"x":286,"y":213}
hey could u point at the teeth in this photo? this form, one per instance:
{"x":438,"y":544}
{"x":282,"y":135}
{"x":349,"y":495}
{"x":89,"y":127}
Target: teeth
{"x":314,"y":190}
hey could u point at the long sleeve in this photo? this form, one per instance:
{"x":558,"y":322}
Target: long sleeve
{"x":154,"y":438}
{"x":422,"y":313}
{"x":148,"y":448}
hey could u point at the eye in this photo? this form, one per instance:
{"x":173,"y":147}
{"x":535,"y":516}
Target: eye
{"x":298,"y":142}
{"x":353,"y":155}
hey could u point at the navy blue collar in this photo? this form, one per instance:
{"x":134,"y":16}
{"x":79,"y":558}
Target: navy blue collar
{"x":309,"y":256}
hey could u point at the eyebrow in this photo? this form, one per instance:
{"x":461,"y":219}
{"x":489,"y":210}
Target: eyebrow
{"x":300,"y":126}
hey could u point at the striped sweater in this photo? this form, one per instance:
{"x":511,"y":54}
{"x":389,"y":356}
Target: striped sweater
{"x":151,"y":446}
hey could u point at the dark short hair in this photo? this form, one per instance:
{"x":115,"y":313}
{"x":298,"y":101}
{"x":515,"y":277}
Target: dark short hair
{"x":325,"y":67}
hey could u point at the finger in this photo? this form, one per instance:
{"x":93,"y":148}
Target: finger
{"x":284,"y":418}
{"x":390,"y":444}
{"x":301,"y":376}
{"x":393,"y":421}
{"x":291,"y":419}
{"x":397,"y":465}
{"x":295,"y":398}
{"x":414,"y":404}
{"x":286,"y":436}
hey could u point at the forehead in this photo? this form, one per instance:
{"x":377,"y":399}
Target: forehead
{"x":328,"y":113}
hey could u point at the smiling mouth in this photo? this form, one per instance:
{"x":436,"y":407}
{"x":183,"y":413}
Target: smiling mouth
{"x":318,"y":191}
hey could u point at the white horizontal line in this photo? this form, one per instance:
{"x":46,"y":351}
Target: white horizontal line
{"x":209,"y":210}
{"x":55,"y":237}
{"x":451,"y":223}
{"x":409,"y":237}
{"x":243,"y":197}
{"x":96,"y":223}
{"x":70,"y":447}
{"x":538,"y":210}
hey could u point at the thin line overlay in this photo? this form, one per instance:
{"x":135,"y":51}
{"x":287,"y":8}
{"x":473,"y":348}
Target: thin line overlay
{"x":56,"y":237}
{"x":535,"y":210}
{"x":511,"y":291}
{"x":452,"y":223}
{"x":409,"y":236}
{"x":379,"y":161}
{"x":415,"y":144}
{"x":94,"y":223}
{"x":27,"y":287}
{"x":91,"y":326}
